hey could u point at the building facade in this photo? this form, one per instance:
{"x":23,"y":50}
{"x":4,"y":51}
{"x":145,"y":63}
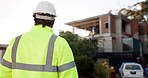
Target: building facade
{"x":112,"y":33}
{"x":2,"y":50}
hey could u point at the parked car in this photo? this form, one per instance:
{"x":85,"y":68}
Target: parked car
{"x":131,"y":70}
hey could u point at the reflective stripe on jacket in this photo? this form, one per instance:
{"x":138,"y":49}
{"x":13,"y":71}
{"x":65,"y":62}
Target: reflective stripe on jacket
{"x":38,"y":54}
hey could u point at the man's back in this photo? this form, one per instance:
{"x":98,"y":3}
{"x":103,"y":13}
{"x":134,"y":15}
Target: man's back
{"x":32,"y":56}
{"x":33,"y":46}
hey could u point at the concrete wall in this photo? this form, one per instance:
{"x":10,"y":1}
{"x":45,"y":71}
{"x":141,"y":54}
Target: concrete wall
{"x":105,"y":44}
{"x":118,"y":40}
{"x":108,"y":44}
{"x":128,"y":28}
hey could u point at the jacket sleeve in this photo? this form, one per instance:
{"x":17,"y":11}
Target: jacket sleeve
{"x":5,"y":66}
{"x":66,"y":63}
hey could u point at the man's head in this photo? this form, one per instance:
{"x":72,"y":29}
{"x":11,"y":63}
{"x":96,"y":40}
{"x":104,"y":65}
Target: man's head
{"x":44,"y":14}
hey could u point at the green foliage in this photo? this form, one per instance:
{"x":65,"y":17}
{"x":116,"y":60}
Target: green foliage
{"x":69,"y":36}
{"x":138,"y":14}
{"x":72,"y":39}
{"x":102,"y":70}
{"x":83,"y":50}
{"x":84,"y":65}
{"x":79,"y":46}
{"x":86,"y":47}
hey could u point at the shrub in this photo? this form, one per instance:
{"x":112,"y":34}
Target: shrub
{"x":101,"y":70}
{"x":84,"y":65}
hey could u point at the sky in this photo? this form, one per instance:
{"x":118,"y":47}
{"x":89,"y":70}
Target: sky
{"x":16,"y":15}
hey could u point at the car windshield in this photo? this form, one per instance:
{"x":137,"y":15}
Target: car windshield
{"x":132,"y":67}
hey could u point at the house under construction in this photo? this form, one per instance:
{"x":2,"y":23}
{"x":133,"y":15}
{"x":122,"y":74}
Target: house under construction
{"x":112,"y":33}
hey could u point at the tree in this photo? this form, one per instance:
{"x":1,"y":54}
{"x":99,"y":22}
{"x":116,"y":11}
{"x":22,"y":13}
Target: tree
{"x":72,"y":39}
{"x":78,"y":45}
{"x":85,"y":66}
{"x":134,"y":12}
{"x":83,"y":50}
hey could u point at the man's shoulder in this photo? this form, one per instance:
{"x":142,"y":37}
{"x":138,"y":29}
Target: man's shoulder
{"x":60,"y":38}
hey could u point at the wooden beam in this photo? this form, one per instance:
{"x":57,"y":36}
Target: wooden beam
{"x":88,"y":25}
{"x":84,"y":23}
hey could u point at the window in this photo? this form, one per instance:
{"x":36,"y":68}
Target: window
{"x":132,"y":67}
{"x":106,"y":25}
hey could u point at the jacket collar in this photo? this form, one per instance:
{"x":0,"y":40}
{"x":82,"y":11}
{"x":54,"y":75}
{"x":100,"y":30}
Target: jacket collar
{"x":39,"y":27}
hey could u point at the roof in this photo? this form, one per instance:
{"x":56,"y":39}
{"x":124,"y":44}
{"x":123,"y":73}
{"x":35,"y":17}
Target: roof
{"x":3,"y":46}
{"x":130,"y":63}
{"x":86,"y":23}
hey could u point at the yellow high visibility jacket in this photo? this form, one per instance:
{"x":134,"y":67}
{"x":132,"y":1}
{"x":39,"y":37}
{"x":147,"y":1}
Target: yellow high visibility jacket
{"x":38,"y":54}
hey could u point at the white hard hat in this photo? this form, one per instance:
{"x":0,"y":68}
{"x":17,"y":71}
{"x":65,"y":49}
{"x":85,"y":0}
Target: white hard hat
{"x":46,"y":8}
